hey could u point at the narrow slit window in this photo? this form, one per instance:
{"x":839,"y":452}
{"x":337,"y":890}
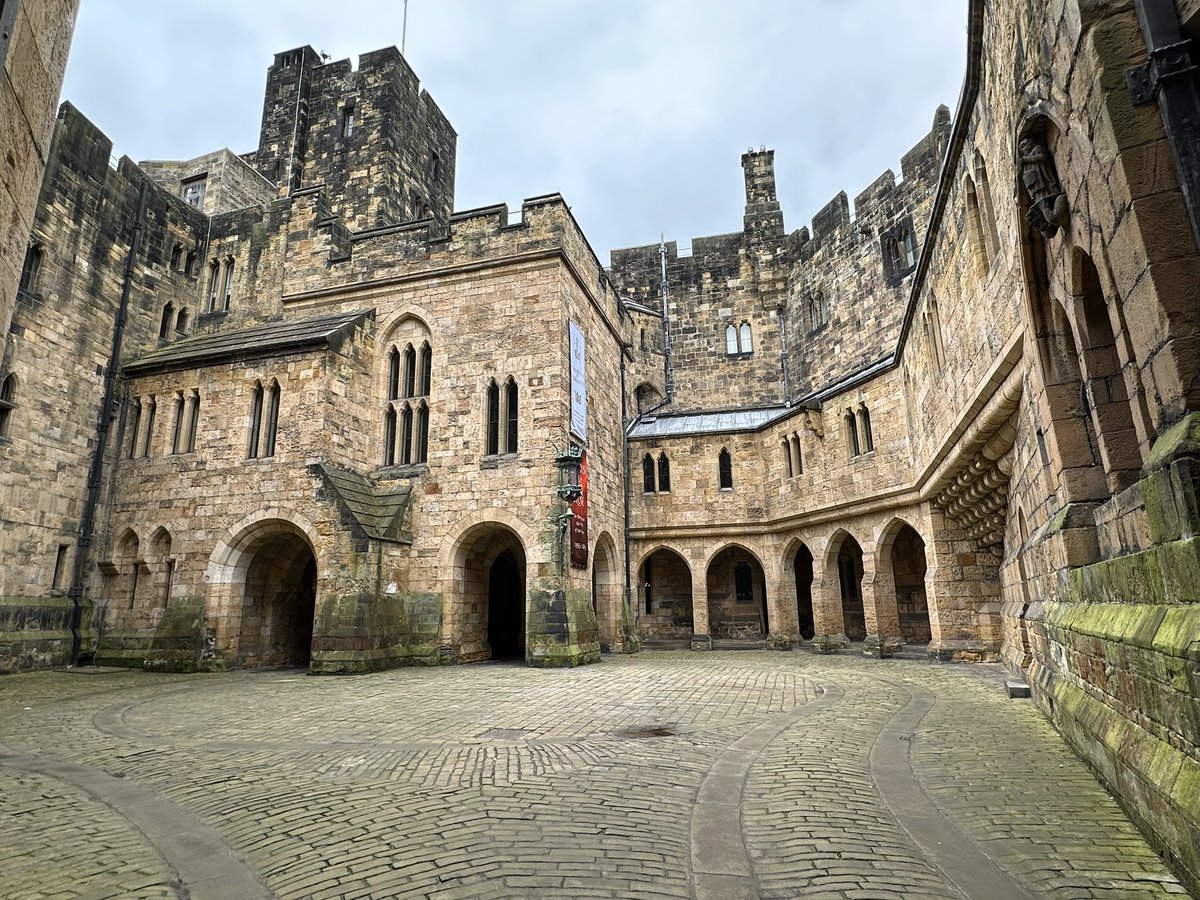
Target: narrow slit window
{"x":193,"y":422}
{"x":256,"y":411}
{"x":8,"y":403}
{"x":228,"y":282}
{"x":271,"y":428}
{"x":664,"y":474}
{"x":422,"y":455}
{"x":493,"y":419}
{"x":214,"y":282}
{"x":389,"y":436}
{"x":410,"y":371}
{"x":177,"y":433}
{"x":426,"y":370}
{"x":406,"y":436}
{"x":151,"y":408}
{"x":725,"y":470}
{"x":164,"y":327}
{"x":787,"y":459}
{"x":797,"y":455}
{"x":852,"y":434}
{"x":135,"y":424}
{"x":648,"y":474}
{"x":60,"y":565}
{"x":181,"y":323}
{"x":393,"y":386}
{"x":864,"y":416}
{"x":31,"y":270}
{"x":347,"y":120}
{"x":511,"y":411}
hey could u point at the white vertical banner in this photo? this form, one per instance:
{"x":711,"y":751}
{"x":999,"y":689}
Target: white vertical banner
{"x":578,"y":383}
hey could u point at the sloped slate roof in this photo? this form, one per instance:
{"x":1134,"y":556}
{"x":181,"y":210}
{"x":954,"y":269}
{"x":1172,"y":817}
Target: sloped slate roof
{"x":377,"y":507}
{"x":707,"y":423}
{"x":258,"y":340}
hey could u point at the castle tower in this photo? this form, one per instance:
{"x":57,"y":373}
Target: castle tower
{"x":379,"y":145}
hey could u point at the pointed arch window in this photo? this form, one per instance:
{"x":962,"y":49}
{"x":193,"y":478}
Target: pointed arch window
{"x":389,"y":436}
{"x":228,"y":292}
{"x":168,"y":319}
{"x":271,"y":425}
{"x":422,"y":450}
{"x":214,"y":284}
{"x":176,"y":257}
{"x":406,"y":436}
{"x":150,"y":409}
{"x":31,"y":270}
{"x":731,"y":341}
{"x":425,"y":370}
{"x":975,"y":227}
{"x":725,"y":470}
{"x":193,"y":421}
{"x":987,"y":214}
{"x":180,"y":421}
{"x":8,"y":403}
{"x":648,"y":474}
{"x":393,"y":376}
{"x":410,"y":371}
{"x":909,"y":246}
{"x":256,"y":411}
{"x":864,"y":420}
{"x":745,"y":341}
{"x":664,"y":474}
{"x":787,"y":458}
{"x":493,"y":418}
{"x":797,"y":457}
{"x":511,"y":415}
{"x":738,"y":340}
{"x":135,"y":424}
{"x":181,"y":322}
{"x":851,"y":426}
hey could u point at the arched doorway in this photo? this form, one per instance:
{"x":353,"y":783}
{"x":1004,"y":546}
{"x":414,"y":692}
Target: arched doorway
{"x":850,"y":576}
{"x":606,"y":597}
{"x":802,"y":569}
{"x":665,"y":598}
{"x":490,"y":613}
{"x":279,"y":599}
{"x":506,"y":607}
{"x":908,"y":574}
{"x":737,"y":596}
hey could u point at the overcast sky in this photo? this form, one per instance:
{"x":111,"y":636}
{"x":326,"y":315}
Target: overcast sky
{"x":637,"y":111}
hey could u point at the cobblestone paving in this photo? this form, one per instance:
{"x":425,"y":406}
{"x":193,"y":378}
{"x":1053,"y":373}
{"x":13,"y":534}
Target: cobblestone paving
{"x":717,"y":775}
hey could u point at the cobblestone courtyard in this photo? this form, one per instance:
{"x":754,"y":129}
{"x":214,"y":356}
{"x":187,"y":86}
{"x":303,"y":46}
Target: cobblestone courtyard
{"x":720,"y":775}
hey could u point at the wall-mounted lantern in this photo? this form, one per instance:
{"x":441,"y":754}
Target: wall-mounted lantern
{"x":568,"y":464}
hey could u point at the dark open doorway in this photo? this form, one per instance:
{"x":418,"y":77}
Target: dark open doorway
{"x":506,"y":607}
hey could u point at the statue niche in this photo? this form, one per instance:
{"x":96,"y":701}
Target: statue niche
{"x":1048,"y":210}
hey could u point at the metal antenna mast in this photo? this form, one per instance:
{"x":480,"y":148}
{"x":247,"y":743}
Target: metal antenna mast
{"x":404,"y":29}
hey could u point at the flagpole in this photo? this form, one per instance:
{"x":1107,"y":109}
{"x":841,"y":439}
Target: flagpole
{"x":404,"y":29}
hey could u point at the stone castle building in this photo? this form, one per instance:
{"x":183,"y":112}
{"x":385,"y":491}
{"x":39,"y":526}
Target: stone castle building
{"x":290,"y":407}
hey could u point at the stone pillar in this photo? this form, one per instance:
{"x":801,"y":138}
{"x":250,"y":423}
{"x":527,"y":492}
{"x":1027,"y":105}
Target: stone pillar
{"x":879,"y":599}
{"x":783,"y":632}
{"x":701,"y":638}
{"x":827,"y":600}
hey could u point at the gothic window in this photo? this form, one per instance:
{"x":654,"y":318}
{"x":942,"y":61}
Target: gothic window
{"x":975,"y":227}
{"x":493,"y":418}
{"x":933,"y":332}
{"x":787,"y":458}
{"x":851,"y":426}
{"x":422,"y":449}
{"x":181,"y":322}
{"x":648,"y":474}
{"x":891,"y":256}
{"x":511,"y":412}
{"x":193,"y":191}
{"x":864,"y":420}
{"x":393,"y":385}
{"x":189,"y":266}
{"x":406,"y":436}
{"x":180,"y":419}
{"x":389,"y":436}
{"x":435,"y":169}
{"x":256,"y":411}
{"x":151,"y":408}
{"x":31,"y":269}
{"x":909,"y":247}
{"x":228,"y":282}
{"x":214,"y":283}
{"x":987,"y":214}
{"x":744,"y":340}
{"x":176,"y":257}
{"x":664,"y":474}
{"x":8,"y":403}
{"x":271,"y":425}
{"x":818,"y":311}
{"x":725,"y":470}
{"x":410,"y":371}
{"x":193,"y":422}
{"x":135,"y":424}
{"x":743,"y":580}
{"x":731,"y":340}
{"x":164,"y":327}
{"x":426,"y":370}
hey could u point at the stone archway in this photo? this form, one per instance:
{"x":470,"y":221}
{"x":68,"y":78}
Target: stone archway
{"x":737,"y":596}
{"x":665,"y":598}
{"x":491,"y":594}
{"x":606,"y":592}
{"x":906,"y":561}
{"x":279,"y":595}
{"x":850,"y":577}
{"x":802,"y":572}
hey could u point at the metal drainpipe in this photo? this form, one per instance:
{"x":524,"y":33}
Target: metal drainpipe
{"x":668,"y":382}
{"x":1173,"y":78}
{"x":87,"y":523}
{"x":783,"y":355}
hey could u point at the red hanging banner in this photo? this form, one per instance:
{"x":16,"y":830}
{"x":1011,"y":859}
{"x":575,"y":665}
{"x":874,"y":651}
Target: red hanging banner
{"x":579,"y":529}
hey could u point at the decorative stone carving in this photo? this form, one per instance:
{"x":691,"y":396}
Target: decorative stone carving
{"x":1048,"y":210}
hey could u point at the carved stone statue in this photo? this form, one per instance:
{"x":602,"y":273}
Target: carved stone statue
{"x":1048,"y":210}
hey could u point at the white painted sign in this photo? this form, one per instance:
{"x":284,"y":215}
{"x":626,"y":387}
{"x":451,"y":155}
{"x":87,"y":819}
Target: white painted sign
{"x":578,"y":383}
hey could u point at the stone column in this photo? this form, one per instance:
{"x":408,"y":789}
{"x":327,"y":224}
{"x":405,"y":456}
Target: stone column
{"x":701,"y":639}
{"x":827,"y":600}
{"x":783,"y":629}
